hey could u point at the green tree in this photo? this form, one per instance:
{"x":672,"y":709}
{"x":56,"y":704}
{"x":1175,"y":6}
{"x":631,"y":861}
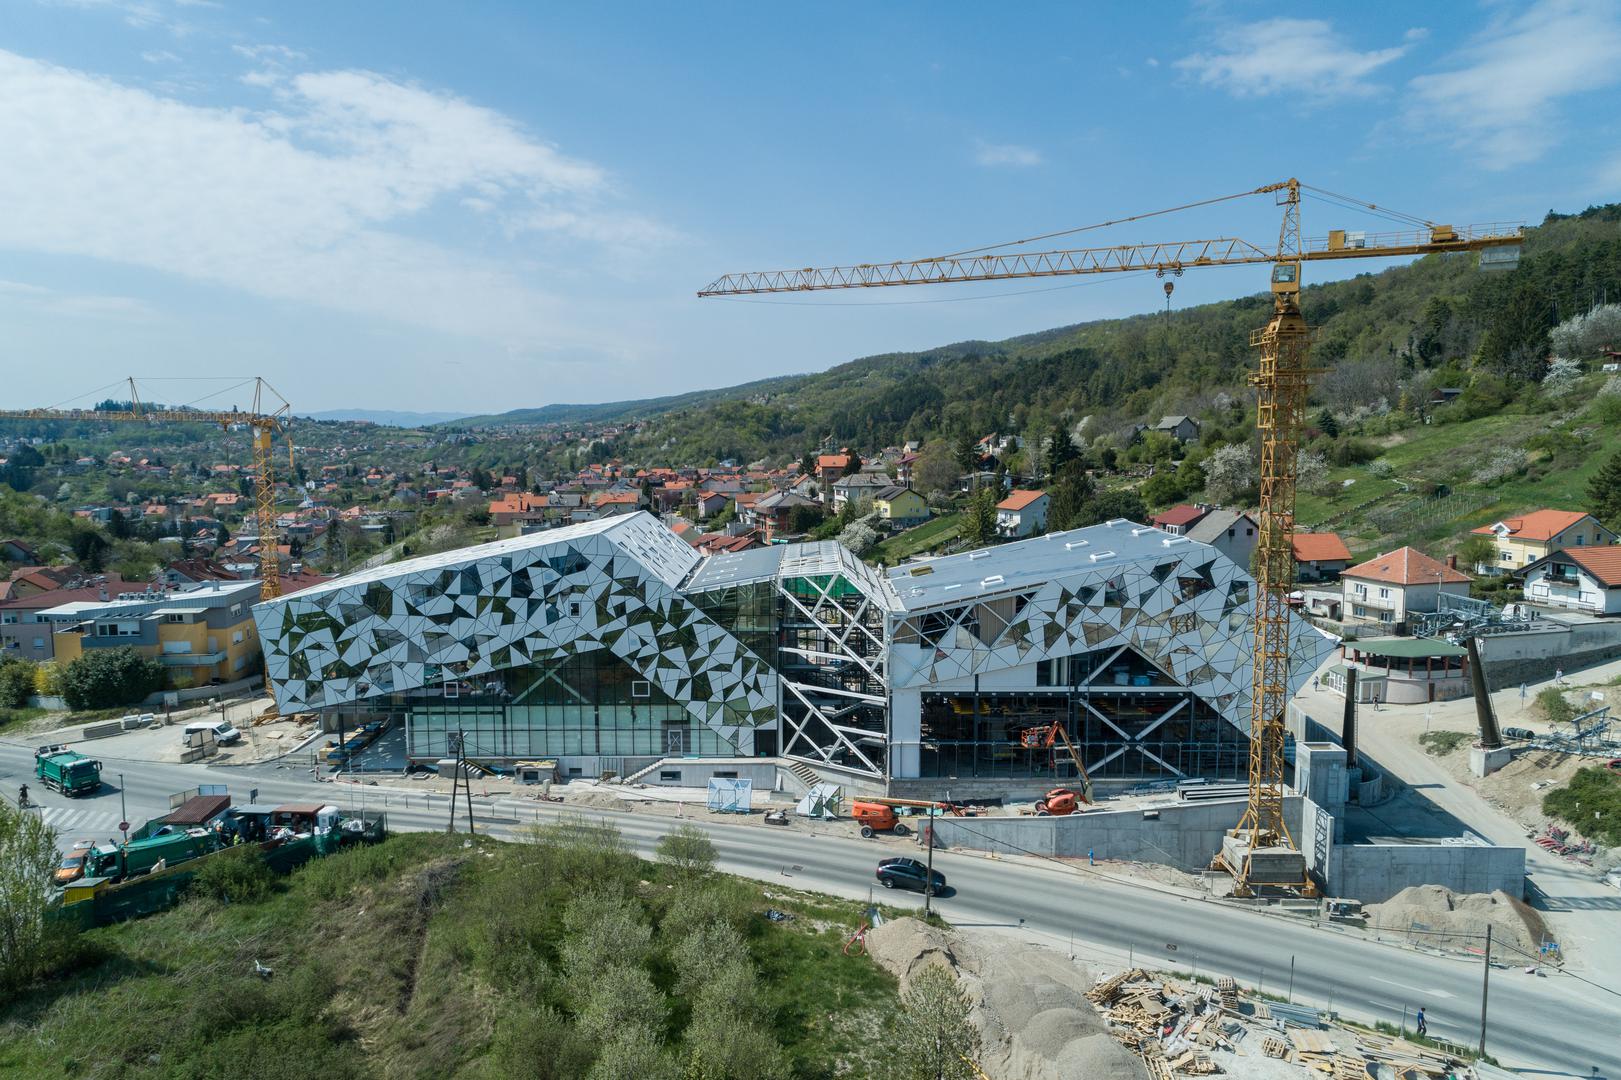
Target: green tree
{"x":933,"y":1037}
{"x":979,"y":520}
{"x":1111,"y":505}
{"x":687,"y":850}
{"x":1161,"y":489}
{"x":28,"y":857}
{"x":1604,"y":492}
{"x":966,"y":451}
{"x":1476,"y":551}
{"x":1069,"y":497}
{"x":90,"y":549}
{"x":1326,"y":423}
{"x":16,"y":682}
{"x":106,"y":678}
{"x":1061,"y":450}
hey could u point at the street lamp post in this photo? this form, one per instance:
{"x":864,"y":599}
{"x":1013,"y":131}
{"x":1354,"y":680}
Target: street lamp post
{"x":123,"y":811}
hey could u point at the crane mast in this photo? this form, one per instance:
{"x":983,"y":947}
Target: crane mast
{"x":263,"y":425}
{"x":1281,"y":379}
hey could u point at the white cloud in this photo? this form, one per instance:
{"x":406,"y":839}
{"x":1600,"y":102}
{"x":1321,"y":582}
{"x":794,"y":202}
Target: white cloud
{"x":140,"y":14}
{"x":306,"y":200}
{"x":1006,"y":154}
{"x":1499,"y":99}
{"x":160,"y":56}
{"x":74,"y":305}
{"x":1304,"y":57}
{"x":268,"y":52}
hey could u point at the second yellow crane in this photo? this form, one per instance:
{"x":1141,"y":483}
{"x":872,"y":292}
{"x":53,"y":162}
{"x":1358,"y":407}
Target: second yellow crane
{"x":264,"y":425}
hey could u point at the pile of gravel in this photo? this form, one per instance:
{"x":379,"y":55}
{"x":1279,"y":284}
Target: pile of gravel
{"x":1420,"y":908}
{"x":1029,"y":1002}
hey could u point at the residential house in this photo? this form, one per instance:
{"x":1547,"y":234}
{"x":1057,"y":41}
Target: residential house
{"x":1232,"y":532}
{"x":517,"y":508}
{"x":774,"y":513}
{"x":24,"y":634}
{"x":1184,"y":429}
{"x":904,"y":466}
{"x":609,"y":503}
{"x":831,"y":468}
{"x":900,"y":505}
{"x":182,"y":572}
{"x":28,"y":581}
{"x":1022,"y":513}
{"x":1178,"y":519}
{"x":1320,"y":556}
{"x":1384,"y":590}
{"x":1523,"y":540}
{"x":201,"y":635}
{"x":858,"y":486}
{"x":1582,"y":578}
{"x":18,"y":552}
{"x":711,"y":503}
{"x":723,"y":544}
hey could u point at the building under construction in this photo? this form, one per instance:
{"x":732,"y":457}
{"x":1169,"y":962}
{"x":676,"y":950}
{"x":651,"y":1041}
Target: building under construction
{"x":613,"y":644}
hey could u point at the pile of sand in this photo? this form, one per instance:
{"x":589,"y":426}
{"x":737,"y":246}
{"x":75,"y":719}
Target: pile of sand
{"x":592,"y":796}
{"x":1029,"y":1002}
{"x":1434,"y":907}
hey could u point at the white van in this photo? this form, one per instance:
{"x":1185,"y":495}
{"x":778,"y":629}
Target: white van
{"x":222,"y":731}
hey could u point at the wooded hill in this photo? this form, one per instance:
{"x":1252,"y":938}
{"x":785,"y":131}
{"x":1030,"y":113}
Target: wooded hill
{"x":1376,"y":331}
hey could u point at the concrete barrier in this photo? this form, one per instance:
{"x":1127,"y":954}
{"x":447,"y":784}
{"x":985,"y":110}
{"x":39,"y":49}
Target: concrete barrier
{"x":1183,"y":835}
{"x":103,"y":731}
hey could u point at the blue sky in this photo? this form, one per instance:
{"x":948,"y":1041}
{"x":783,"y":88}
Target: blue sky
{"x":486,"y":206}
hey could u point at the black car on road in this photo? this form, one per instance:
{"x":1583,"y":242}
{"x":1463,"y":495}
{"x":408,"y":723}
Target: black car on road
{"x":910,"y":874}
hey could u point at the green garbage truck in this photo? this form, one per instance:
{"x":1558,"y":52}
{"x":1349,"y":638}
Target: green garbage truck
{"x":140,"y":856}
{"x":67,"y":771}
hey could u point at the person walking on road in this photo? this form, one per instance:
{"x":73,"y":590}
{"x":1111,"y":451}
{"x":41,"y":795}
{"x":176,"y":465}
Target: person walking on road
{"x":1423,"y":1025}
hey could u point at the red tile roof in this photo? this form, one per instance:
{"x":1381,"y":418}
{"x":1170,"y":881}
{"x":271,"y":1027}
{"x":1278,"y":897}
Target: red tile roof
{"x":1603,"y":563}
{"x":1179,"y":515}
{"x":1406,"y":566}
{"x":1538,"y":526}
{"x":1320,"y":547}
{"x":1019,"y":500}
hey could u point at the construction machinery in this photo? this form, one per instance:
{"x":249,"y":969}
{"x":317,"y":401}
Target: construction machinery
{"x":265,"y":419}
{"x":1281,"y":379}
{"x":876,"y":817}
{"x":1058,"y":801}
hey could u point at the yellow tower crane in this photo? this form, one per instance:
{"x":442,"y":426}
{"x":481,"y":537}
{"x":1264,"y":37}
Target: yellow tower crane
{"x":264,"y":425}
{"x":1281,"y":380}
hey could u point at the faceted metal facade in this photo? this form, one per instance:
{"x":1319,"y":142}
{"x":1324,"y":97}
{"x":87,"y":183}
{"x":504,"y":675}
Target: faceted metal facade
{"x":1181,"y":604}
{"x":609,"y":584}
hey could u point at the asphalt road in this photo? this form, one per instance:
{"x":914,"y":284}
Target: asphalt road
{"x":1554,"y":1024}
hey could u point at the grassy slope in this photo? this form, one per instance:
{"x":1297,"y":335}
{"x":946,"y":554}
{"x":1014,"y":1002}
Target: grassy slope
{"x":420,"y":957}
{"x":1451,"y":454}
{"x":926,"y":537}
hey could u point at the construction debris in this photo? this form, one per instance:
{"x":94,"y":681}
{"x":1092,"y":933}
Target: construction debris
{"x":1180,"y":1029}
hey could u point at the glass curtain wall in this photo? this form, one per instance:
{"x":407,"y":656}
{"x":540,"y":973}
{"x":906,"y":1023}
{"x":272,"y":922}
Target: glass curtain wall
{"x":587,"y":704}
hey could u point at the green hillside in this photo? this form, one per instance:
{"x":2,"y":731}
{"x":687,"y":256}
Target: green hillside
{"x":433,"y":956}
{"x":1379,"y":333}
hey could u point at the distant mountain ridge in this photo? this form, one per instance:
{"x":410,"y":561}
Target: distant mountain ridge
{"x":388,"y":417}
{"x":1374,"y":332}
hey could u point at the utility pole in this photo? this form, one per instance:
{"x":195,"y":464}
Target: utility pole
{"x":460,"y":781}
{"x":928,"y":885}
{"x":1486,"y":975}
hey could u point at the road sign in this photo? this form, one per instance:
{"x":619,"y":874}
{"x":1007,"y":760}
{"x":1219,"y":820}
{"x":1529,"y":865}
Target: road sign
{"x":123,"y":826}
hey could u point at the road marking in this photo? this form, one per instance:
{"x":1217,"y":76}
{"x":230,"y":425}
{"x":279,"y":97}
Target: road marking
{"x":1414,"y":989}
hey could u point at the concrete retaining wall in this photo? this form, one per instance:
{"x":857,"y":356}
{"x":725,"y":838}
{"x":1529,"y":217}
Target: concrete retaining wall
{"x":1183,"y":835}
{"x":1535,"y":655}
{"x":1374,"y":873}
{"x":102,"y":731}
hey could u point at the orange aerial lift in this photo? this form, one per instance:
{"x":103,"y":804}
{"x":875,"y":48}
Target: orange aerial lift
{"x":1059,"y":801}
{"x":1280,"y":381}
{"x":264,"y":425}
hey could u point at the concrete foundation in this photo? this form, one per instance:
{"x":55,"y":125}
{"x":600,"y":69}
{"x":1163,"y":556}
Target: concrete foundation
{"x":1374,"y":873}
{"x":1483,"y":762}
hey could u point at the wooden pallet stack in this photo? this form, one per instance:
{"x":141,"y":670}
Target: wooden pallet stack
{"x":1227,"y":989}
